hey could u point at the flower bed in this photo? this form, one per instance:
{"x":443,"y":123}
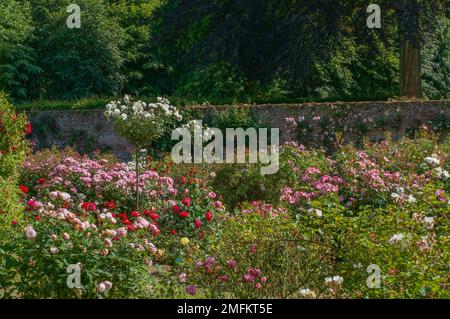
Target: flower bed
{"x":369,"y":222}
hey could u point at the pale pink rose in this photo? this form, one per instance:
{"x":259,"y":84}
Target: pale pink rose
{"x":182,"y":277}
{"x":30,"y":233}
{"x":53,"y":195}
{"x":64,"y":196}
{"x":101,"y":287}
{"x":108,"y":285}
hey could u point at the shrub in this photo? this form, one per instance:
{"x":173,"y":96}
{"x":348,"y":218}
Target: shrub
{"x":57,"y":234}
{"x":240,"y":183}
{"x":13,"y":149}
{"x":258,"y":253}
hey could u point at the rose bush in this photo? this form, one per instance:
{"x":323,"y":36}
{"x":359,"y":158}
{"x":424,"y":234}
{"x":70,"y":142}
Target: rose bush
{"x":13,"y":149}
{"x":361,"y":223}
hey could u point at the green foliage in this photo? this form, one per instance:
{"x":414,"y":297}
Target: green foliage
{"x":262,"y":237}
{"x":39,"y":273}
{"x":13,"y":148}
{"x":215,"y":82}
{"x":140,"y":68}
{"x":239,"y":183}
{"x":17,"y":57}
{"x":436,"y":62}
{"x":192,"y":51}
{"x":77,"y":62}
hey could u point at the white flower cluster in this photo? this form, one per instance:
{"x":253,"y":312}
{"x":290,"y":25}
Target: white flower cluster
{"x":394,"y":240}
{"x":400,"y":196}
{"x":337,"y":280}
{"x":442,"y":173}
{"x":125,"y":109}
{"x":307,"y":293}
{"x":428,"y":222}
{"x":196,"y":125}
{"x":433,"y":161}
{"x":315,"y":211}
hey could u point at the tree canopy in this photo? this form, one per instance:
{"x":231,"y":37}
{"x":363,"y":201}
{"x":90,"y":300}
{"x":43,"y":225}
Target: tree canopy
{"x":224,"y":50}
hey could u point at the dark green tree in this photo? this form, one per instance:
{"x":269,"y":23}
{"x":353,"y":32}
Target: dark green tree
{"x":139,"y":67}
{"x":17,"y":57}
{"x":77,"y":62}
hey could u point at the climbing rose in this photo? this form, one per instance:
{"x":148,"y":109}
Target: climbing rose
{"x":208,"y":215}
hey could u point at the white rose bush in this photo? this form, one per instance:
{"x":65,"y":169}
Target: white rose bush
{"x":141,"y":123}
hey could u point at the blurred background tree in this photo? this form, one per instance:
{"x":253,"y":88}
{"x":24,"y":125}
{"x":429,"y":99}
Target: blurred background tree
{"x":76,"y":62}
{"x":225,"y":51}
{"x":17,"y":57}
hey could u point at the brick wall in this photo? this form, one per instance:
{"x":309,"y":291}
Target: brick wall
{"x":318,"y":123}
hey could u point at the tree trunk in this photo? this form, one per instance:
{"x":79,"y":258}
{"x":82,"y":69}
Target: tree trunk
{"x":410,"y":70}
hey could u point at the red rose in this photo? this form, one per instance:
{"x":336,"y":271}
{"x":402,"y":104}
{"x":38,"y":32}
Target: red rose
{"x":186,"y":201}
{"x":28,"y":129}
{"x":173,"y":232}
{"x":208,"y":215}
{"x":110,"y":204}
{"x":89,"y":206}
{"x":14,"y":222}
{"x":154,"y":216}
{"x":198,"y":223}
{"x":135,"y":214}
{"x":41,"y":180}
{"x":147,"y":212}
{"x":23,"y":188}
{"x":176,"y":209}
{"x":184,"y":214}
{"x":38,"y":218}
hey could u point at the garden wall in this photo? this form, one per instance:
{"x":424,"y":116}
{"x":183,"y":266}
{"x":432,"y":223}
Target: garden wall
{"x":317,"y":124}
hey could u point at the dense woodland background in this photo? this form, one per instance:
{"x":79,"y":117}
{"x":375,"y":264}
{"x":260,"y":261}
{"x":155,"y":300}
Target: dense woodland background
{"x":221,"y":51}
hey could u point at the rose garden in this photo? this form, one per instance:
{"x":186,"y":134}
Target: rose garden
{"x":357,"y":208}
{"x":312,"y":230}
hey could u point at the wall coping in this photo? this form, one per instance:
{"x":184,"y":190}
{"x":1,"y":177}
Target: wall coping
{"x":405,"y":103}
